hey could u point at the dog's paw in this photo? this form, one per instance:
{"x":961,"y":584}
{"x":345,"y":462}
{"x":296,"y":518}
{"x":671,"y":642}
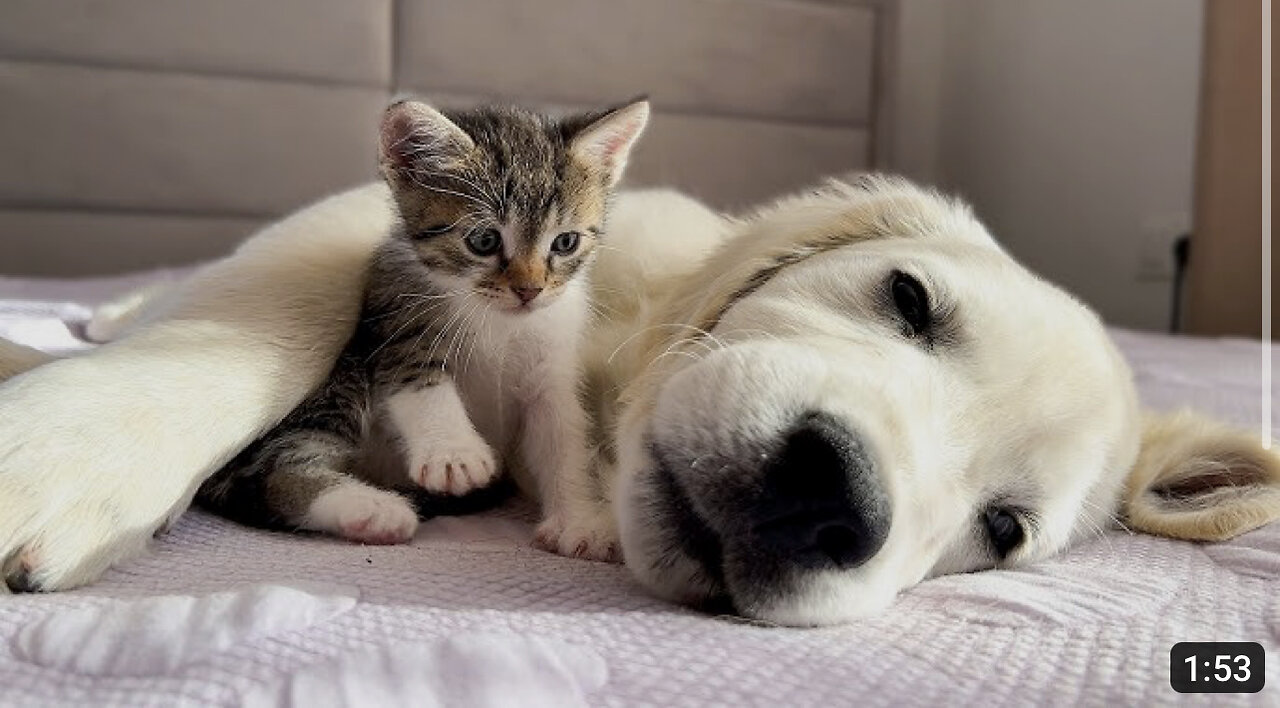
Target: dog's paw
{"x":454,"y":467}
{"x":363,"y":514}
{"x":78,"y":492}
{"x":55,"y":536}
{"x":59,"y":531}
{"x":591,"y":538}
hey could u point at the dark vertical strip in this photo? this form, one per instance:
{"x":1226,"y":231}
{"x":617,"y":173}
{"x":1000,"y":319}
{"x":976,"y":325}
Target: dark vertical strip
{"x":884,"y":93}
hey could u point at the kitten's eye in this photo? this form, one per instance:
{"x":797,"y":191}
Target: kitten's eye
{"x":566,"y":243}
{"x":484,"y":242}
{"x":912,"y":301}
{"x":1003,"y":529}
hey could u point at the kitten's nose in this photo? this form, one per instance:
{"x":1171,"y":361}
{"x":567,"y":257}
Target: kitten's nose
{"x":526,"y":294}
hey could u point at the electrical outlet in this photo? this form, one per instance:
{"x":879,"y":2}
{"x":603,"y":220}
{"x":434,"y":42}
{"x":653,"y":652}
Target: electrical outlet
{"x":1160,"y":232}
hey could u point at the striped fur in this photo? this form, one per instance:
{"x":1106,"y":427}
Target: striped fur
{"x":432,"y":299}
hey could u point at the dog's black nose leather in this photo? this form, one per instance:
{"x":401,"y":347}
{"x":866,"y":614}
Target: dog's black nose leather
{"x":822,"y":503}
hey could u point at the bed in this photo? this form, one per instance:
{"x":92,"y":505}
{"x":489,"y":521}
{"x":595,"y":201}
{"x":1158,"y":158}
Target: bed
{"x":470,"y":614}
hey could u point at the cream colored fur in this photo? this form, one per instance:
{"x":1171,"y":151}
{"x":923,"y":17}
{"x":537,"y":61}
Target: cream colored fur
{"x":124,"y":435}
{"x":98,"y":452}
{"x":1239,"y":480}
{"x":1031,"y":406}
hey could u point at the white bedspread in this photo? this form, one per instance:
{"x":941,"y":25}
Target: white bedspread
{"x":469,"y":614}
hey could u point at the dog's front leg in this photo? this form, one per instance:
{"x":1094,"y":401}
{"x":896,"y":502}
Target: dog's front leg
{"x":99,"y":451}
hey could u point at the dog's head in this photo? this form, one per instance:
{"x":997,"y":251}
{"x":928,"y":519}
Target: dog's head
{"x":879,"y":395}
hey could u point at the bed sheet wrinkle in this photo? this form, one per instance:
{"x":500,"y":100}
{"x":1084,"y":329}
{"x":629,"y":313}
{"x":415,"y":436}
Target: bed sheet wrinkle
{"x":162,"y":635}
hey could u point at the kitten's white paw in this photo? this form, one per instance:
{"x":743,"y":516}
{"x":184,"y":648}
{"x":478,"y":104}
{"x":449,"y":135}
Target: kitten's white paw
{"x":454,"y":467}
{"x":363,"y":514}
{"x":592,"y":537}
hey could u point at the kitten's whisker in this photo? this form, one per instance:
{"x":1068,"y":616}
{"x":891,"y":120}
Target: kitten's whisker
{"x":646,"y":330}
{"x":679,"y":352}
{"x":414,"y":318}
{"x":423,"y":296}
{"x":452,"y":337}
{"x":693,"y":340}
{"x":460,"y":333}
{"x":483,"y":193}
{"x":459,"y":220}
{"x":719,"y":342}
{"x":442,"y":190}
{"x":402,"y":308}
{"x":418,"y":340}
{"x":673,"y":347}
{"x":597,"y":303}
{"x":771,"y":335}
{"x":435,"y":343}
{"x":475,"y":336}
{"x":473,"y":181}
{"x":615,"y":249}
{"x":699,"y":340}
{"x":607,"y":289}
{"x":597,"y":311}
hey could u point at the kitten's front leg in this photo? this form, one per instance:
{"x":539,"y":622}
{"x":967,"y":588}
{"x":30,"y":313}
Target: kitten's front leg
{"x":442,"y":448}
{"x":575,"y":519}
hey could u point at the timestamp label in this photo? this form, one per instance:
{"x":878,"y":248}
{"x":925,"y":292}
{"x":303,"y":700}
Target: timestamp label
{"x":1217,"y":667}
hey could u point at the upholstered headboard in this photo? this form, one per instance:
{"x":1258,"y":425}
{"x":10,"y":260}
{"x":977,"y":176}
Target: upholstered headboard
{"x":138,"y":133}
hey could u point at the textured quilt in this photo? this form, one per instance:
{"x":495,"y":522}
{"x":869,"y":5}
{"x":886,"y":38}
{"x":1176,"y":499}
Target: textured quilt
{"x":470,"y":615}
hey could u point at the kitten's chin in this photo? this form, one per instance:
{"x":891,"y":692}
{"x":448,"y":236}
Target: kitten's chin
{"x":524,"y":308}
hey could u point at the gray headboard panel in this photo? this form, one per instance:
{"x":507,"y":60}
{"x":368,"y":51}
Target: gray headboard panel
{"x":140,"y":133}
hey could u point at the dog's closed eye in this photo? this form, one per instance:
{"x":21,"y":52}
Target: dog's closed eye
{"x":912,"y":302}
{"x":1003,"y":529}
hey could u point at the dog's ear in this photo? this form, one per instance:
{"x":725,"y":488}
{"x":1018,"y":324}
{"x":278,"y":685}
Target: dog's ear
{"x":1199,"y":480}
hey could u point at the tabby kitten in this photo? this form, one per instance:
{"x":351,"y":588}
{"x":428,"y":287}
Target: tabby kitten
{"x":466,"y":354}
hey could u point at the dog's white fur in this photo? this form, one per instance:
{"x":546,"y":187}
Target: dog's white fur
{"x":98,"y":452}
{"x":1029,"y":406}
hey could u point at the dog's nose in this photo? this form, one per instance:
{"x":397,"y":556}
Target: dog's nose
{"x":526,"y":294}
{"x":822,"y":503}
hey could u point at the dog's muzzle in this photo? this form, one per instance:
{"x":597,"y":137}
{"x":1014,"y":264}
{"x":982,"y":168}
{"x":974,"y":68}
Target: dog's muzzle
{"x":760,"y":521}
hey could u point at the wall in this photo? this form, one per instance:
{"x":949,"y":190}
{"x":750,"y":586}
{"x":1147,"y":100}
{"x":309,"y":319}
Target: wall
{"x":1070,"y":124}
{"x":138,"y":133}
{"x":1229,"y":176}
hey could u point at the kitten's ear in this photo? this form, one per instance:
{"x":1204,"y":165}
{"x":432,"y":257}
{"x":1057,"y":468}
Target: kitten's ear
{"x":606,"y":140}
{"x":415,"y":135}
{"x":1200,"y":480}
